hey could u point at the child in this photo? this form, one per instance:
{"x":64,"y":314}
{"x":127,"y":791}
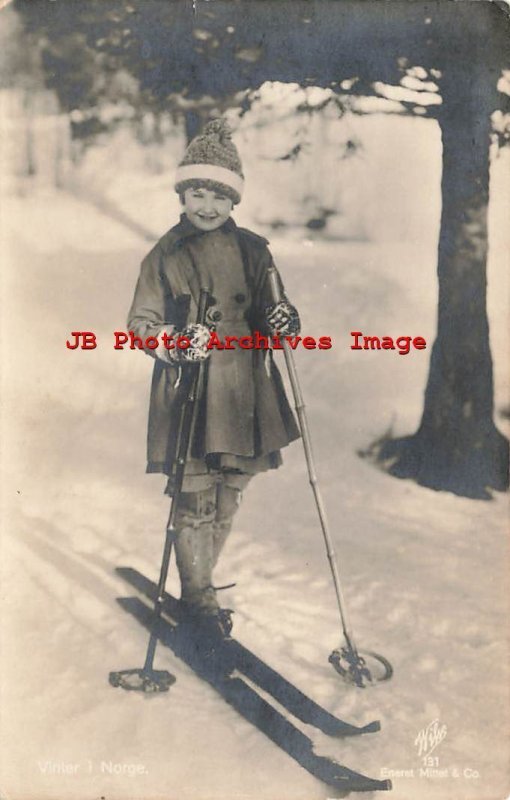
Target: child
{"x":244,"y":417}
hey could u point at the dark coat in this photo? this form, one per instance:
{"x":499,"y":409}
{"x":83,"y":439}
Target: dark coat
{"x":167,"y":293}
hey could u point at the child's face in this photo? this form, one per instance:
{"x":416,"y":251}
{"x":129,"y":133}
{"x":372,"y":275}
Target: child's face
{"x":207,"y":210}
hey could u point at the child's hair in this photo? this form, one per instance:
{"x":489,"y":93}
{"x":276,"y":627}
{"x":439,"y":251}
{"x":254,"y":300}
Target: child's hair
{"x":219,"y":188}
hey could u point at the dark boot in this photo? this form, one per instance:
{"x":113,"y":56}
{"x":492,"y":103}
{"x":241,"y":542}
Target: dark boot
{"x":194,"y":553}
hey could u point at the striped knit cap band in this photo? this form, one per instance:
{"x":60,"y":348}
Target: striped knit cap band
{"x":211,"y":161}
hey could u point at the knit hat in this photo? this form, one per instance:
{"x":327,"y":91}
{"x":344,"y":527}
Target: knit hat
{"x":212,"y":162}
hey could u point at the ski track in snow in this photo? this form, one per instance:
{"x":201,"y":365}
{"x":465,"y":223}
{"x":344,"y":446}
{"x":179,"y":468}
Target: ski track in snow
{"x":426,"y":574}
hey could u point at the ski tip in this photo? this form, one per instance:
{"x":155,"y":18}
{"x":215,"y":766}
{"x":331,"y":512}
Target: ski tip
{"x":372,"y":727}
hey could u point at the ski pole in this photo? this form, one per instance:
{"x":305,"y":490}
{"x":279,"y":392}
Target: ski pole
{"x":346,"y":661}
{"x":148,"y":679}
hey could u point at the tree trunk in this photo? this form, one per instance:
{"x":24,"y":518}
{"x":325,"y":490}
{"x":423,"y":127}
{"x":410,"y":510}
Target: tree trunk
{"x":457,"y":446}
{"x":193,"y":123}
{"x":30,"y":161}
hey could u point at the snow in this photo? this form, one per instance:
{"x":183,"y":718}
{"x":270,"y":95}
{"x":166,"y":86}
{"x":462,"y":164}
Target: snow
{"x":425,"y":573}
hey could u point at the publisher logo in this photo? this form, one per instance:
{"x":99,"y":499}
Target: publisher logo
{"x":430,"y":737}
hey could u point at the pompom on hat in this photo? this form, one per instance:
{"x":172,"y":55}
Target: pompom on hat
{"x":211,"y":161}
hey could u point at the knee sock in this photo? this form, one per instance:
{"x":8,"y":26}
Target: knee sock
{"x":194,"y":554}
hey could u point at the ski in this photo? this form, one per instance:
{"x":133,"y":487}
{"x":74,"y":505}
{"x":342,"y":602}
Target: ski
{"x":238,"y":657}
{"x":223,"y":665}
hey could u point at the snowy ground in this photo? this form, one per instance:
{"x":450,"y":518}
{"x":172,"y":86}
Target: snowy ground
{"x":426,"y":574}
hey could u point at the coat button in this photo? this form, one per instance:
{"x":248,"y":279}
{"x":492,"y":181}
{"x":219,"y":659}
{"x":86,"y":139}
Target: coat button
{"x":216,"y":316}
{"x":240,"y":298}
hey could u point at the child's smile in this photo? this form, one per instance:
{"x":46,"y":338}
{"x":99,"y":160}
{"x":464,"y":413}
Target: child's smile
{"x":205,"y":209}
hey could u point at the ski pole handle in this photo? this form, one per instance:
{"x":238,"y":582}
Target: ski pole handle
{"x":277,"y":296}
{"x":203,"y":305}
{"x":188,"y":413}
{"x":203,"y":302}
{"x":274,"y":284}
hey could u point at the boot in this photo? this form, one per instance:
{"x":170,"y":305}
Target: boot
{"x":194,"y":554}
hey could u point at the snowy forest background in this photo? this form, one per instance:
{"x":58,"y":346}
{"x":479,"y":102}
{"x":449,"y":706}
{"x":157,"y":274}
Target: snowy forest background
{"x":346,"y":184}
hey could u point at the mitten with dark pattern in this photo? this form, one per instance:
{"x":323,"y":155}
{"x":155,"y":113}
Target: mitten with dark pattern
{"x":283,"y":319}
